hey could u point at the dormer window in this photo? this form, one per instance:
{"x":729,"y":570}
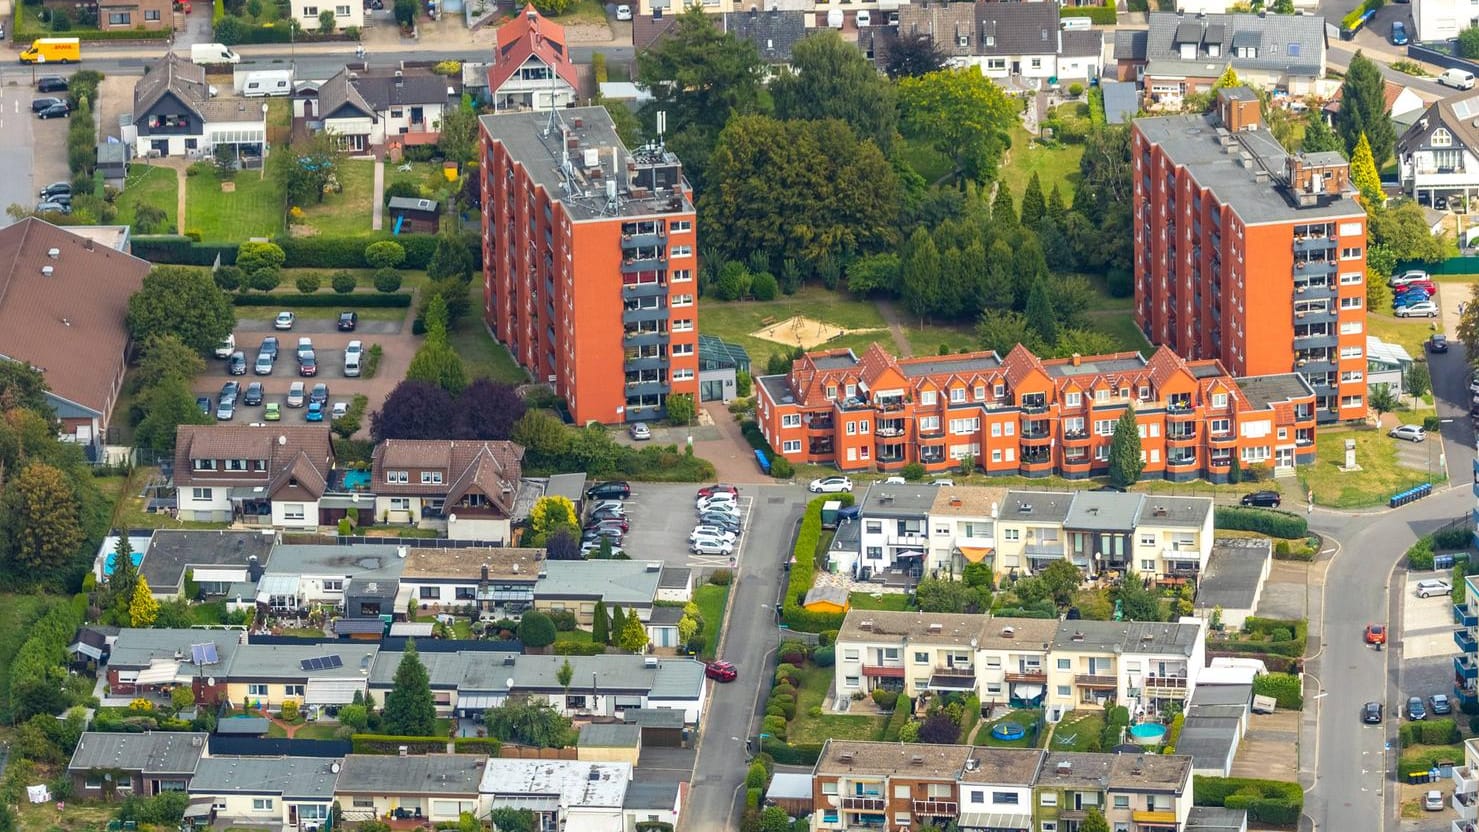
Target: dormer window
{"x":397,"y":477}
{"x":203,"y":464}
{"x":1441,"y":138}
{"x":431,"y":477}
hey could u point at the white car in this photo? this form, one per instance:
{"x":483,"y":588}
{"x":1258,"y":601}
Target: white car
{"x":1433,"y":801}
{"x":829,"y":485}
{"x":712,"y":531}
{"x":1412,"y":433}
{"x":1414,"y":276}
{"x":943,"y":483}
{"x":1434,"y":587}
{"x":639,"y":431}
{"x":611,"y":506}
{"x":1421,"y":309}
{"x":353,"y":350}
{"x":722,"y":499}
{"x":895,"y":481}
{"x":305,"y":347}
{"x":623,"y":12}
{"x":339,"y":409}
{"x":297,"y":395}
{"x":710,"y":546}
{"x":284,"y":320}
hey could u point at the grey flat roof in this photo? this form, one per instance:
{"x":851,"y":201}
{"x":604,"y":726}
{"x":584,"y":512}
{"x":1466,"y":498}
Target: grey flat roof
{"x":951,"y":364}
{"x":621,"y":582}
{"x":172,"y":551}
{"x":1222,"y":695}
{"x":660,"y":796}
{"x":366,"y":561}
{"x":1216,"y":819}
{"x":136,"y":647}
{"x":435,"y":774}
{"x":243,"y":725}
{"x":1233,"y":572}
{"x":1265,"y":390}
{"x":885,"y":500}
{"x":778,"y":388}
{"x":1188,"y":512}
{"x":653,"y":717}
{"x":284,"y":661}
{"x":159,"y":752}
{"x":566,"y":485}
{"x":1094,"y":368}
{"x":793,"y":785}
{"x":291,"y":777}
{"x":1106,"y":510}
{"x":1208,"y":741}
{"x":836,"y":362}
{"x":1075,"y":770}
{"x":675,"y":577}
{"x":1036,"y":507}
{"x":1143,"y":637}
{"x":665,"y":616}
{"x":1003,"y":766}
{"x":610,"y":735}
{"x":1121,"y":100}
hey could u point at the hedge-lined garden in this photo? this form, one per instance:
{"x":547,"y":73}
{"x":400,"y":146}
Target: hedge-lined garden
{"x":1420,"y":555}
{"x":1267,"y":521}
{"x":315,"y":252}
{"x":803,"y":571}
{"x":1266,"y":801}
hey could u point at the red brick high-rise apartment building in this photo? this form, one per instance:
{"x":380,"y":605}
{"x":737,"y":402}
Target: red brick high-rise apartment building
{"x":1249,"y":255}
{"x":590,"y":262}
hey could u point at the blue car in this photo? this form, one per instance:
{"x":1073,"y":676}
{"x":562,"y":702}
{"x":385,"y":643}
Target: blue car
{"x":1399,"y":33}
{"x":315,"y":412}
{"x":1411,"y":296}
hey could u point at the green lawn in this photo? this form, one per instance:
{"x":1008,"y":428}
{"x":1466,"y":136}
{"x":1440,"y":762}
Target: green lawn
{"x":149,"y":185}
{"x":319,"y":313}
{"x":481,"y":355}
{"x":253,"y":209}
{"x":585,"y":11}
{"x":1380,"y":476}
{"x":1409,"y":332}
{"x":17,"y":614}
{"x":78,"y":816}
{"x":818,"y":729}
{"x":1078,"y":731}
{"x":276,"y":731}
{"x":128,"y":511}
{"x":577,"y":635}
{"x":1026,"y":718}
{"x":349,"y":212}
{"x":316,"y":731}
{"x":711,"y":599}
{"x":1120,"y":325}
{"x":1053,"y":165}
{"x":893,"y":601}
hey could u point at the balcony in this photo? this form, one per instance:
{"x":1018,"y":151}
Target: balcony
{"x":1464,"y":667}
{"x":863,"y":803}
{"x":646,"y":388}
{"x":889,"y":428}
{"x":631,"y":291}
{"x":1314,"y":291}
{"x":649,"y":262}
{"x":1165,"y":683}
{"x":640,"y":338}
{"x":1311,"y":268}
{"x":890,"y":403}
{"x":1466,"y":642}
{"x":1052,"y":549}
{"x":1464,"y":618}
{"x":1029,"y":676}
{"x":878,"y":671}
{"x":641,"y":315}
{"x":952,"y":678}
{"x":648,"y":362}
{"x":1314,"y":340}
{"x":821,"y":422}
{"x":1307,"y":244}
{"x":1089,"y":680}
{"x":937,"y":808}
{"x":1464,"y":695}
{"x":648,"y":241}
{"x":1181,"y":461}
{"x":1465,"y":780}
{"x":1182,"y":436}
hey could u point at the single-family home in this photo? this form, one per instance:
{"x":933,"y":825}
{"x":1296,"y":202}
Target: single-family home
{"x":1187,"y":54}
{"x":496,"y":582}
{"x":176,"y":113}
{"x":576,"y":585}
{"x":1232,"y":582}
{"x":894,"y":537}
{"x":562,"y":794}
{"x":385,"y":107}
{"x":774,"y":32}
{"x":430,"y":788}
{"x":466,"y":487}
{"x":304,"y":574}
{"x":63,"y":305}
{"x":1148,"y":791}
{"x":857,"y":782}
{"x":996,"y":788}
{"x":144,"y":662}
{"x":214,"y":560}
{"x":962,"y":527}
{"x":286,"y":792}
{"x":268,"y":475}
{"x":309,"y":14}
{"x":532,"y":68}
{"x":115,"y":766}
{"x":264,"y":676}
{"x":126,"y":15}
{"x":1142,"y":665}
{"x":1438,"y":156}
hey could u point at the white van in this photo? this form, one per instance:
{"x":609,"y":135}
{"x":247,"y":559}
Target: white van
{"x":864,"y":18}
{"x":351,"y":358}
{"x":212,"y":53}
{"x":1459,"y":79}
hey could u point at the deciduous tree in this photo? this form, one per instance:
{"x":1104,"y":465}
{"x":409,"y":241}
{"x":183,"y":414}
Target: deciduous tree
{"x":1003,"y":329}
{"x":487,"y":410}
{"x":525,"y":721}
{"x":166,"y":406}
{"x":162,"y":356}
{"x":1061,"y":579}
{"x":911,"y":55}
{"x":414,"y":410}
{"x":42,"y":530}
{"x":1137,"y":601}
{"x":410,"y":710}
{"x":457,"y":136}
{"x":964,"y":115}
{"x":829,"y":78}
{"x":537,"y":630}
{"x":182,"y":301}
{"x":450,"y":259}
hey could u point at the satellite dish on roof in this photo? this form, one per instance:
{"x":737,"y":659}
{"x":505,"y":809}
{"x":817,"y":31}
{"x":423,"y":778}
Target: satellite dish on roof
{"x":452,"y":518}
{"x":334,"y":768}
{"x":210,"y":680}
{"x":282,"y":439}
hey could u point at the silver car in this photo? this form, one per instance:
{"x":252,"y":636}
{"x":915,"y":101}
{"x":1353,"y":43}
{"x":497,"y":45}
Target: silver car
{"x":297,"y":395}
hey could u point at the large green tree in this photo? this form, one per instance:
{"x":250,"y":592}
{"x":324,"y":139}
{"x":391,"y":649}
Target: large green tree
{"x":166,"y":406}
{"x":306,"y":168}
{"x":182,"y":301}
{"x":23,"y":386}
{"x":1320,"y":137}
{"x":435,"y":362}
{"x":1125,"y":463}
{"x":797,"y":189}
{"x":1040,"y":314}
{"x":1364,"y":174}
{"x":457,"y":135}
{"x":964,"y":115}
{"x":829,"y":78}
{"x":1363,"y":109}
{"x":920,"y":284}
{"x":529,"y":722}
{"x":1034,"y":204}
{"x":42,"y":530}
{"x":1061,"y":579}
{"x":410,"y":710}
{"x":1403,"y":229}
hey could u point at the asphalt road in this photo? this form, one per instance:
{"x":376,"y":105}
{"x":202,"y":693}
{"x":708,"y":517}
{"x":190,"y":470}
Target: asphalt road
{"x":1339,"y":55}
{"x":749,"y":642}
{"x":1355,"y":764}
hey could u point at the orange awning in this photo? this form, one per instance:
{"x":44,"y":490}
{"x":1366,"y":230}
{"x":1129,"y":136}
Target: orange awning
{"x":975,"y":554}
{"x":1153,"y":817}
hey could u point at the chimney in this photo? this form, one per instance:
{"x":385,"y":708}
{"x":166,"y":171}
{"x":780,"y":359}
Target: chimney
{"x":87,"y":243}
{"x":54,"y":253}
{"x":1077,"y":359}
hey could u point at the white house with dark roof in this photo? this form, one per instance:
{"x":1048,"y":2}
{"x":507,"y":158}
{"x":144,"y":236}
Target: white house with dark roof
{"x":572,"y":795}
{"x":1438,"y":156}
{"x":1021,"y":44}
{"x":176,"y":113}
{"x":272,"y":475}
{"x":373,"y":107}
{"x":1186,"y":54}
{"x":291,"y":792}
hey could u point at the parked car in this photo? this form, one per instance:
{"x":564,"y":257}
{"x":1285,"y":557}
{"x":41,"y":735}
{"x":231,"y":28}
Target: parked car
{"x":253,"y":395}
{"x":339,"y":409}
{"x":53,"y":207}
{"x":1411,"y":276}
{"x":1412,"y":433}
{"x":1262,"y":499}
{"x":710,"y":546}
{"x":319,"y":393}
{"x":614,"y":490}
{"x":55,"y":111}
{"x":603,"y":505}
{"x":51,"y":83}
{"x":56,"y":189}
{"x":712,"y":531}
{"x":297,"y":395}
{"x":1371,"y":713}
{"x":315,"y":412}
{"x":1376,"y":634}
{"x":305,"y":346}
{"x":308,"y":365}
{"x":721,"y":671}
{"x":226,"y":408}
{"x":39,"y":104}
{"x":284,"y":320}
{"x":722,"y":498}
{"x":1440,"y":704}
{"x":272,"y":412}
{"x":717,"y":487}
{"x":1416,"y":709}
{"x":1433,"y":800}
{"x":1399,"y":33}
{"x":597,"y":533}
{"x":590,"y":546}
{"x":610,"y":522}
{"x":204,"y":403}
{"x":231,"y":389}
{"x":1438,"y":342}
{"x":1421,"y":309}
{"x":623,"y":12}
{"x":829,"y":485}
{"x":236,"y":364}
{"x":639,"y":431}
{"x":263,"y":367}
{"x":348,"y":321}
{"x":721,"y":521}
{"x":729,"y":511}
{"x":269,"y":347}
{"x":1433,"y":587}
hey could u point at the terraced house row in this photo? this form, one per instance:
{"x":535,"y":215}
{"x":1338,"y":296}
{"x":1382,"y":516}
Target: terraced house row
{"x":1021,"y":414}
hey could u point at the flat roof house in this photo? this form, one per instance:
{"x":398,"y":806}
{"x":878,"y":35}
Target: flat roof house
{"x":313,"y":675}
{"x":431,"y":787}
{"x":215,"y":559}
{"x":495,"y":581}
{"x":112,"y":766}
{"x":144,"y":662}
{"x":294,"y":792}
{"x":1092,"y":662}
{"x":576,"y":586}
{"x":562,"y":794}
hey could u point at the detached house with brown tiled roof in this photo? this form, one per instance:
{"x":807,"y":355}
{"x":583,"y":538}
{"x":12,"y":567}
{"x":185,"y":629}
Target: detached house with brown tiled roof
{"x":268,"y":476}
{"x":63,"y":304}
{"x":531,"y":65}
{"x":465,"y":487}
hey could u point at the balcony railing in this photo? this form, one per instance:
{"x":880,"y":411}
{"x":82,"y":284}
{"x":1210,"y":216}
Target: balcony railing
{"x":1464,"y":667}
{"x":1464,"y":618}
{"x":1090,"y":680}
{"x":1465,"y":780}
{"x":1465,"y":641}
{"x":1028,"y":676}
{"x":1164,"y":682}
{"x":937,"y":808}
{"x":1466,"y":805}
{"x":864,"y":803}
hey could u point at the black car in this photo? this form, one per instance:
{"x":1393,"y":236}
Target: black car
{"x":51,"y":83}
{"x":55,"y":111}
{"x":1415,"y":708}
{"x":1263,"y":499}
{"x":55,"y":190}
{"x":1438,"y":343}
{"x":39,"y":104}
{"x":237,"y":364}
{"x":230,"y":389}
{"x":269,"y":347}
{"x":1371,"y":713}
{"x":615,"y":490}
{"x":253,"y":395}
{"x":204,"y":403}
{"x":348,"y":321}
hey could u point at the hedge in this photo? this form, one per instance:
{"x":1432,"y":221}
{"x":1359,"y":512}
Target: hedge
{"x":803,"y":571}
{"x":1422,"y":759}
{"x":577,"y":648}
{"x":1286,"y":689}
{"x":43,"y":656}
{"x":364,"y":300}
{"x":1428,"y":732}
{"x":903,"y":708}
{"x":476,"y":745}
{"x":1420,"y":555}
{"x":25,"y":34}
{"x":1102,"y":15}
{"x":1292,"y":647}
{"x":1458,"y":537}
{"x":804,"y":754}
{"x":1267,"y":521}
{"x":179,"y":250}
{"x":1266,"y":801}
{"x":389,"y":744}
{"x":321,"y":252}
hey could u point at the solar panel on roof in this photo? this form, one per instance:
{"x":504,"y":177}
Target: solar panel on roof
{"x":333,"y":661}
{"x":204,"y":653}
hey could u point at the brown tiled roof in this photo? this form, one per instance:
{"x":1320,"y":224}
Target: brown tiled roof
{"x":527,"y":36}
{"x":646,"y":29}
{"x":301,"y":451}
{"x":489,"y":473}
{"x":71,"y":324}
{"x":1150,"y":773}
{"x":466,"y":463}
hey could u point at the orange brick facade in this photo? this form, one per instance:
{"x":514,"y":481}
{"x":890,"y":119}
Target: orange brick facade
{"x":1025,"y":415}
{"x":1249,"y":256}
{"x":595,"y":293}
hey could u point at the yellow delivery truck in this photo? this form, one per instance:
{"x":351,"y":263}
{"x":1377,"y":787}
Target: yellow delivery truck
{"x":53,"y":51}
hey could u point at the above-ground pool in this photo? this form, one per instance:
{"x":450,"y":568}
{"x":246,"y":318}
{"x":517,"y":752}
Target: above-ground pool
{"x":1008,"y":731}
{"x":356,"y":478}
{"x":1148,"y":733}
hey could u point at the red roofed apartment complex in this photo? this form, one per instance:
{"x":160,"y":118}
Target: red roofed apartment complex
{"x":1249,"y":255}
{"x":1033,"y":417}
{"x":589,"y":259}
{"x":531,"y":65}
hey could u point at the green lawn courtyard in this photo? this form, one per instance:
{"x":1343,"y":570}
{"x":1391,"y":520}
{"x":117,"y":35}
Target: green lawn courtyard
{"x":245,"y":207}
{"x":348,"y":212}
{"x":149,"y":185}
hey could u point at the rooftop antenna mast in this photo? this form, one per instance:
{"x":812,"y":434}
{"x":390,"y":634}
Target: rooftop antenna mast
{"x":662,"y":126}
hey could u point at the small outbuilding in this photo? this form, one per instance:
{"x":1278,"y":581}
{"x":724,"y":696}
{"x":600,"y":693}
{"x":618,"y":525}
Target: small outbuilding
{"x":410,"y":215}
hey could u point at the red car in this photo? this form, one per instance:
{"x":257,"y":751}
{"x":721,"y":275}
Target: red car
{"x":720,"y":671}
{"x":610,"y":523}
{"x":711,"y":490}
{"x":1376,"y":634}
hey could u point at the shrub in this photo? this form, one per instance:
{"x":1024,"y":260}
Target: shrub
{"x":786,"y":672}
{"x":343,"y":282}
{"x":1280,"y":634}
{"x":1420,"y":555}
{"x":1457,"y":537}
{"x":792,"y":652}
{"x":308,"y":283}
{"x":1266,"y":801}
{"x":329,"y":252}
{"x":387,"y":744}
{"x":1286,"y":689}
{"x":903,"y":708}
{"x":1271,"y":522}
{"x":385,"y":254}
{"x":781,"y":468}
{"x":784,"y":689}
{"x":913,"y":472}
{"x":885,"y":699}
{"x":774,"y":726}
{"x":476,"y":745}
{"x":785,"y":705}
{"x":821,"y":657}
{"x":387,"y":280}
{"x":803,"y":571}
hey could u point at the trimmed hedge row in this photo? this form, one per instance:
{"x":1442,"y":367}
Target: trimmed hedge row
{"x":476,"y":745}
{"x":804,"y":570}
{"x":805,"y":754}
{"x":1286,"y":689}
{"x":1428,"y":732}
{"x":1293,"y":647}
{"x":316,"y":252}
{"x":390,"y":744}
{"x":903,"y":708}
{"x":1102,"y":15}
{"x":1420,"y":554}
{"x":1422,"y":759}
{"x":179,"y":250}
{"x":1266,"y":801}
{"x":577,"y":648}
{"x":364,"y":300}
{"x":24,"y":35}
{"x":1267,"y":521}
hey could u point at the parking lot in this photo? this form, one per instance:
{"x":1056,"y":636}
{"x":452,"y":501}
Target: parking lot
{"x":396,"y":344}
{"x":1419,"y":456}
{"x":662,"y":516}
